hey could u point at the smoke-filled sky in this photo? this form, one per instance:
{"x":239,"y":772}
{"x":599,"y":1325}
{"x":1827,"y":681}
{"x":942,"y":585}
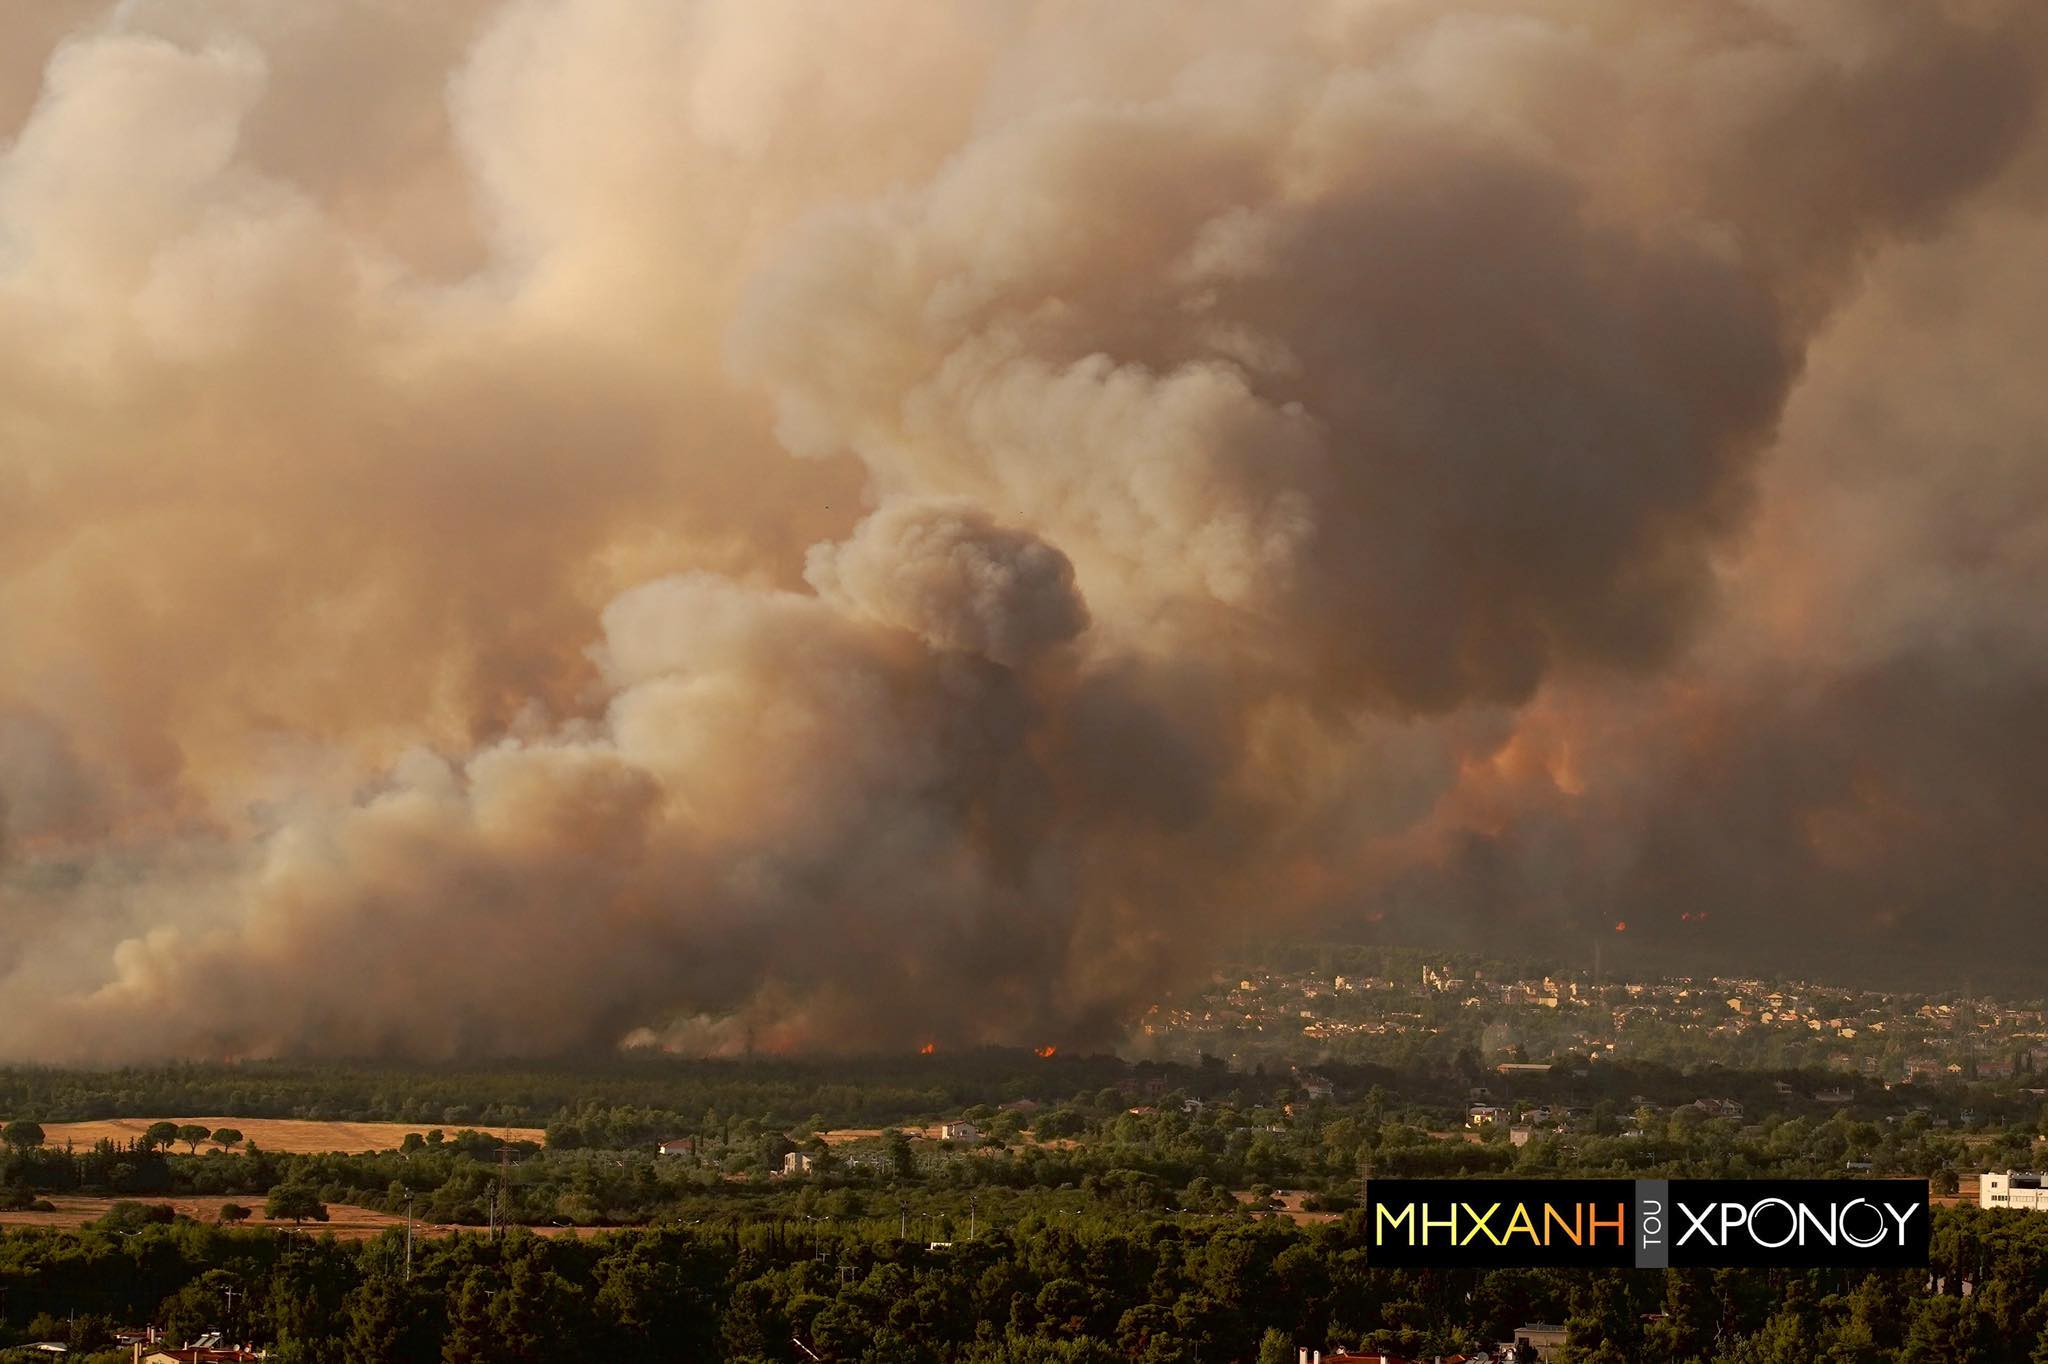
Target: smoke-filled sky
{"x":530,"y":524}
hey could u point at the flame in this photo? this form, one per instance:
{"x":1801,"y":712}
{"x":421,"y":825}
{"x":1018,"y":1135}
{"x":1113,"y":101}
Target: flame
{"x":1621,"y":925}
{"x":927,"y":1049}
{"x":1044,"y":1052}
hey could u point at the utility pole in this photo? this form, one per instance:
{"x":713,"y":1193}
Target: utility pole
{"x":970,"y":1217}
{"x":902,"y":1219}
{"x":408,"y":1235}
{"x":500,"y":1203}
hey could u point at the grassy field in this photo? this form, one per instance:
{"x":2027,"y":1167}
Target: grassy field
{"x":292,"y":1135}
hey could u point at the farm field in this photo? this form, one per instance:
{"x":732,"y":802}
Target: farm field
{"x":345,"y":1221}
{"x":290,"y":1135}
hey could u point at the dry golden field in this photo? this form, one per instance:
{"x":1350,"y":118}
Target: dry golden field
{"x":344,"y":1221}
{"x":292,"y":1135}
{"x":1290,"y":1207}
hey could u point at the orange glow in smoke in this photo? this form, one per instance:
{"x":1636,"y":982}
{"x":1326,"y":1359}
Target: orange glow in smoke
{"x":927,"y":1049}
{"x":1621,"y":925}
{"x":1044,"y":1052}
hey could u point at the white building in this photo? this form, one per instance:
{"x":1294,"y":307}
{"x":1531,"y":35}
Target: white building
{"x":961,"y":1130}
{"x":796,"y":1163}
{"x":681,"y":1146}
{"x":1539,"y":1337}
{"x":2013,"y":1189}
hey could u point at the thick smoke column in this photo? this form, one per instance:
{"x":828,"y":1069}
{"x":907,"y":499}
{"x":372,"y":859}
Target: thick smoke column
{"x":920,"y":522}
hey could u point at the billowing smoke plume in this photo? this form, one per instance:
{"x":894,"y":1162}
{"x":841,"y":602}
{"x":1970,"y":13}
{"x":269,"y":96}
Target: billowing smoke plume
{"x":529,"y":524}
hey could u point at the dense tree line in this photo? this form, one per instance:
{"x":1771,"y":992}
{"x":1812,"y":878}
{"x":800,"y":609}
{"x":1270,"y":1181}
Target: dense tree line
{"x":616,"y":1102}
{"x":1100,"y":1288}
{"x":634,"y":1097}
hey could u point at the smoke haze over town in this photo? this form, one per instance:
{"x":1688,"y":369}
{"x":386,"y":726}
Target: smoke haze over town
{"x":530,"y":525}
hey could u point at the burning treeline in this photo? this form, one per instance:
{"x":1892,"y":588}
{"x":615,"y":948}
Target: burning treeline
{"x":529,"y":524}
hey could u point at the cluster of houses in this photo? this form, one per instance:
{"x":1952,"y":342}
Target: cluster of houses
{"x":959,"y":1131}
{"x":1883,"y":1036}
{"x":147,"y":1346}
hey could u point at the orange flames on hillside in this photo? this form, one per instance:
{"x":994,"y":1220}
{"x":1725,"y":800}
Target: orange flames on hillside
{"x":927,"y":1049}
{"x":1044,"y":1052}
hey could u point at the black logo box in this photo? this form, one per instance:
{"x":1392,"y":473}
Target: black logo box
{"x":1647,"y":1223}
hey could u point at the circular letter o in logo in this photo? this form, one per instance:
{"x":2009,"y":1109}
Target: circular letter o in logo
{"x":1851,"y":1237}
{"x":1791,"y":1231}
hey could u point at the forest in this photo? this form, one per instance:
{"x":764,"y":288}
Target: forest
{"x":1098,"y":1288}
